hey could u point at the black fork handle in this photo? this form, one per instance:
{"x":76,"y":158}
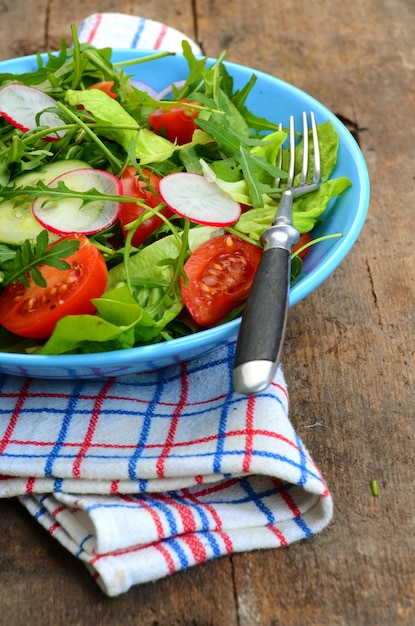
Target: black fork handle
{"x":263,"y":323}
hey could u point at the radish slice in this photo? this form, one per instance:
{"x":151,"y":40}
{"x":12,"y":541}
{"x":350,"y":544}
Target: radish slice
{"x":70,"y":215}
{"x":167,"y":91}
{"x":193,"y":196}
{"x":20,"y":105}
{"x":138,"y":84}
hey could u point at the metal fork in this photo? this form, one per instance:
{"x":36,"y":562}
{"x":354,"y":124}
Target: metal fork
{"x":262,"y":329}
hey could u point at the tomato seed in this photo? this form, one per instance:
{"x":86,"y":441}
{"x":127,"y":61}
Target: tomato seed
{"x":210,"y":280}
{"x":32,"y":305}
{"x":207,"y":288}
{"x":71,"y":279}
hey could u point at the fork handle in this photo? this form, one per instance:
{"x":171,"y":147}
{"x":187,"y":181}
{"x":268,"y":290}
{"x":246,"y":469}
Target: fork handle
{"x":262,"y":329}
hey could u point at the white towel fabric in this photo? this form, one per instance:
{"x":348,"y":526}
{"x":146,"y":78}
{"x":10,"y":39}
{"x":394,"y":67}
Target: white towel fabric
{"x":129,"y":31}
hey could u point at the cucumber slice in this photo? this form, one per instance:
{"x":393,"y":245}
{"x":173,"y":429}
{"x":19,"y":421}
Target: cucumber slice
{"x":18,"y":223}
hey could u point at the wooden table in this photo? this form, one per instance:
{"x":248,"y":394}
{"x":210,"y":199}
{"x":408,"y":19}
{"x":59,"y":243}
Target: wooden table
{"x":349,"y":356}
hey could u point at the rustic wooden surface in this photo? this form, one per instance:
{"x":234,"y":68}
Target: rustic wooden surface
{"x":349,"y":355}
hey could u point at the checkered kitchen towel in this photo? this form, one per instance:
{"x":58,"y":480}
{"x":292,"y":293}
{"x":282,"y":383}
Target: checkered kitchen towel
{"x":119,"y":30}
{"x":147,"y":474}
{"x":152,"y":473}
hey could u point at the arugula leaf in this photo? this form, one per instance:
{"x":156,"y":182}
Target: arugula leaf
{"x":249,"y":166}
{"x":60,"y":191}
{"x":257,"y":123}
{"x":190,"y":159}
{"x":218,"y":128}
{"x":21,"y":152}
{"x":27,"y":259}
{"x":196,"y":70}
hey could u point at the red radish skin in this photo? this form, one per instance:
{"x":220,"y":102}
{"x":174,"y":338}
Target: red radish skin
{"x":20,"y":105}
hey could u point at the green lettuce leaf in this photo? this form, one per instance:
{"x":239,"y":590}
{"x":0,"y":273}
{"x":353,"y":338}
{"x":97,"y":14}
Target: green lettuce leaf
{"x":306,"y":210}
{"x":106,"y":112}
{"x":87,"y":333}
{"x":120,"y":323}
{"x":152,"y":148}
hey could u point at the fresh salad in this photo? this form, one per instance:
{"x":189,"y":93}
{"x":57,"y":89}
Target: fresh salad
{"x":130,"y":217}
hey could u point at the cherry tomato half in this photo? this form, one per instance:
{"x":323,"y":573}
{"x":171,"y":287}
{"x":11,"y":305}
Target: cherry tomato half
{"x":136,"y":187}
{"x":304,"y":238}
{"x":220,"y":274}
{"x":34,"y":311}
{"x":177,"y":122}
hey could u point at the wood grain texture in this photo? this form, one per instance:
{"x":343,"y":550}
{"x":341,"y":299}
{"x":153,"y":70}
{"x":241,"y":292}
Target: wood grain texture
{"x":349,"y":355}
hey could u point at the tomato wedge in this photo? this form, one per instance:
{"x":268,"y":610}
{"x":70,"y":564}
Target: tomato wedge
{"x":136,"y":187}
{"x":177,"y":122}
{"x":220,"y":274}
{"x":34,"y":311}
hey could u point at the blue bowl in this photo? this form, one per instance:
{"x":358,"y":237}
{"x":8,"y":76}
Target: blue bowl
{"x":271,"y":98}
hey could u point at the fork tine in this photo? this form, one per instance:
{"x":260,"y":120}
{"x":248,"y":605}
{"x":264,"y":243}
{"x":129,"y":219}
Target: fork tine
{"x":281,"y":151}
{"x":305,"y":184}
{"x":304,"y":170}
{"x":291,"y":166}
{"x":280,"y":157}
{"x":316,"y":149}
